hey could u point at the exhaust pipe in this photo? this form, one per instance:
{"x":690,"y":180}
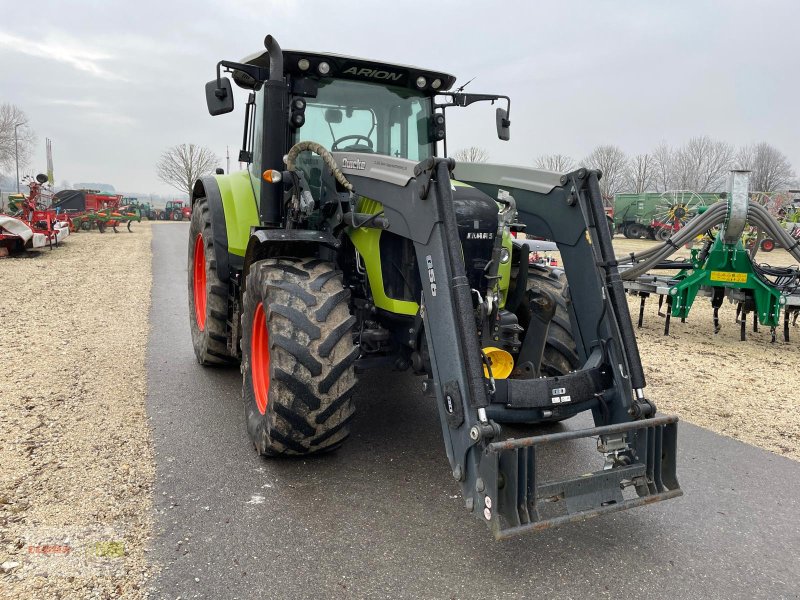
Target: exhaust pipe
{"x":275,"y":58}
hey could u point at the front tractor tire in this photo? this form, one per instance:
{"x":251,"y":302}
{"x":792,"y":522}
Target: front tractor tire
{"x":560,"y":355}
{"x":560,"y":352}
{"x":297,"y":356}
{"x":208,"y":296}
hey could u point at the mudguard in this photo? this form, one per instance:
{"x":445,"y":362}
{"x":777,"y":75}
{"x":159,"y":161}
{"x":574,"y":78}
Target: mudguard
{"x":233,"y":214}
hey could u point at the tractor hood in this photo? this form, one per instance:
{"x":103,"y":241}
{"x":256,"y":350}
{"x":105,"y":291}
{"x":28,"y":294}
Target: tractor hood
{"x":299,"y":63}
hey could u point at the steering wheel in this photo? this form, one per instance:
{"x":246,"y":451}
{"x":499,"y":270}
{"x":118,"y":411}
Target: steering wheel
{"x":355,"y":147}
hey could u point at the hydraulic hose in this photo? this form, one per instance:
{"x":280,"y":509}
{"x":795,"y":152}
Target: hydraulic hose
{"x":648,"y":259}
{"x":714,"y":216}
{"x":326,"y":156}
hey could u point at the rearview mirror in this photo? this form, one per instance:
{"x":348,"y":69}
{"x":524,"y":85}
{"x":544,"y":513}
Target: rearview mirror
{"x":503,"y":124}
{"x":219,"y":96}
{"x":333,"y":115}
{"x":42,"y":178}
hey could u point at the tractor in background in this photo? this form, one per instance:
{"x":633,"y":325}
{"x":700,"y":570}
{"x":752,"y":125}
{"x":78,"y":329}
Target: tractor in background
{"x":176,"y":210}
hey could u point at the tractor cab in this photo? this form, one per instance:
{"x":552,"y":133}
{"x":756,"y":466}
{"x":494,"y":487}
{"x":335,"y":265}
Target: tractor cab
{"x":343,"y":103}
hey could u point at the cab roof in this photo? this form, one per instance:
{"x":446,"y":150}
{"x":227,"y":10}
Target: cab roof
{"x":349,"y":67}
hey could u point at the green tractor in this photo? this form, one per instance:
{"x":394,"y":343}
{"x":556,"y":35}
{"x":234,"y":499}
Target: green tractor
{"x":351,"y":242}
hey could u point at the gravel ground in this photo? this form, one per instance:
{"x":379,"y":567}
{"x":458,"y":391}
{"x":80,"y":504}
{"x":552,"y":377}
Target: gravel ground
{"x":75,"y":448}
{"x":747,"y":390}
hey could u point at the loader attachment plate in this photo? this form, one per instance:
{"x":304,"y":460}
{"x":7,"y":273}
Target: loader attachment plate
{"x":515,"y":502}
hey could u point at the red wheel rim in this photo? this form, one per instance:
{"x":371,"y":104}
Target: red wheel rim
{"x":199,"y":279}
{"x":259,"y":358}
{"x":768,"y":245}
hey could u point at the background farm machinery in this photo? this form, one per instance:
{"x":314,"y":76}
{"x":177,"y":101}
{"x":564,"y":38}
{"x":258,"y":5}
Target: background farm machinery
{"x":87,"y":210}
{"x":657,"y":215}
{"x":31,"y":224}
{"x":723,"y":266}
{"x":176,"y":210}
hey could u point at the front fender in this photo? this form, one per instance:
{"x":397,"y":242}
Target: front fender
{"x":266,"y":243}
{"x":233,"y":215}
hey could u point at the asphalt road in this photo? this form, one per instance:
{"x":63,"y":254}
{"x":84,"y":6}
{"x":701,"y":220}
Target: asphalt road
{"x":381,"y":517}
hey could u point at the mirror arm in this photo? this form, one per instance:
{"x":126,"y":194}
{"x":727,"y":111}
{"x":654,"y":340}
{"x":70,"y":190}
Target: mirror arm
{"x":259,"y":74}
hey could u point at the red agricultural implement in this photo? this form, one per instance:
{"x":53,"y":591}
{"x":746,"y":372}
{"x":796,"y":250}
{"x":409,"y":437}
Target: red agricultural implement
{"x":32,"y":224}
{"x":88,"y":209}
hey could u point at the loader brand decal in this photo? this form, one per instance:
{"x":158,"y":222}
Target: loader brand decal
{"x":431,"y":274}
{"x":480,"y":235}
{"x":728,"y":277}
{"x":373,"y":73}
{"x":354,"y":163}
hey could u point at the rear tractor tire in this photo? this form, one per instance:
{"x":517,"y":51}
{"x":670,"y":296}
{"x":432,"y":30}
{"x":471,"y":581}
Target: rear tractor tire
{"x":208,"y":296}
{"x":297,"y":356}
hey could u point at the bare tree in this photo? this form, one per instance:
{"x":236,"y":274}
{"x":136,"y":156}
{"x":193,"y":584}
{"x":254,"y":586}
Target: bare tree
{"x":640,"y":175}
{"x":560,"y":163}
{"x":474,"y":154}
{"x":770,"y":168}
{"x":663,"y":168}
{"x":702,"y":165}
{"x":180,"y":166}
{"x":10,"y":116}
{"x":613,"y":163}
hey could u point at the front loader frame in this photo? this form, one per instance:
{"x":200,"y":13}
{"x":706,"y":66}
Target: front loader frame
{"x":498,"y":478}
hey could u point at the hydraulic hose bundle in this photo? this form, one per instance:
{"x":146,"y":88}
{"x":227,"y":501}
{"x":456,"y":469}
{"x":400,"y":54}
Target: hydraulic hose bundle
{"x":634,"y":265}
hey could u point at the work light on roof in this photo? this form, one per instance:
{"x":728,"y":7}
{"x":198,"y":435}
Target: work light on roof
{"x":436,"y":84}
{"x":421,"y":82}
{"x":323,"y":68}
{"x":303,"y":64}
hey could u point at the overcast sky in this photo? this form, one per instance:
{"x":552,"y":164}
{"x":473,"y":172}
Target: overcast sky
{"x":113,"y":84}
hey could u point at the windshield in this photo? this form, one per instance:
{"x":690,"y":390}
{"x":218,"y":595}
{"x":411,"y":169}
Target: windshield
{"x":364,"y":117}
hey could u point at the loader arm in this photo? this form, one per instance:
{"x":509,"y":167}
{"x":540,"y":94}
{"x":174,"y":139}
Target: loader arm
{"x":498,"y":477}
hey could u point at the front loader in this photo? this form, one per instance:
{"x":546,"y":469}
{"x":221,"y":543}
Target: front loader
{"x":349,"y":243}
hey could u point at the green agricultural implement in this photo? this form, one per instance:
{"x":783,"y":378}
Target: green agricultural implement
{"x":352,"y":242}
{"x":105,"y":218}
{"x":723,"y":267}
